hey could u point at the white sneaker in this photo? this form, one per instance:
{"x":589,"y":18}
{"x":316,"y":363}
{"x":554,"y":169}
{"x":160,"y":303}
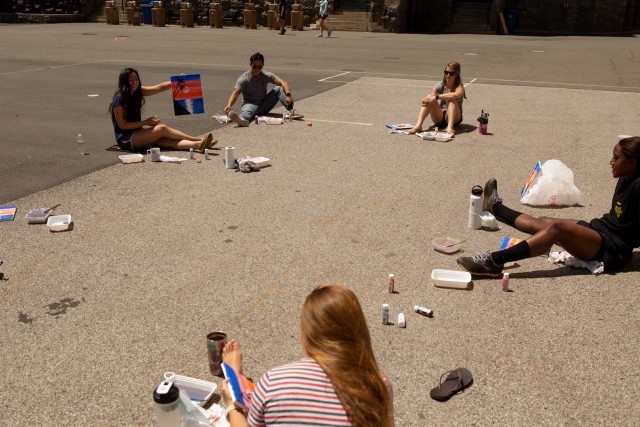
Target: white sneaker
{"x":320,"y":35}
{"x":238,"y":120}
{"x":329,"y":33}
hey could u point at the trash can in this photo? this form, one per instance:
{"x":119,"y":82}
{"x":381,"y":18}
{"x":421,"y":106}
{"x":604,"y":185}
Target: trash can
{"x":511,"y":18}
{"x":146,"y":14}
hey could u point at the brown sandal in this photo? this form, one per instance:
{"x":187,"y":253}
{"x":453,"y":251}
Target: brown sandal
{"x":454,"y":382}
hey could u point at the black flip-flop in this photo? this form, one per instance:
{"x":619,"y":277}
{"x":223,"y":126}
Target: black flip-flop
{"x":454,"y":381}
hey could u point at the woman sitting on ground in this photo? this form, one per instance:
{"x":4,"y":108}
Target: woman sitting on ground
{"x":338,"y":384}
{"x":610,"y":239}
{"x":444,"y":103}
{"x":128,"y":125}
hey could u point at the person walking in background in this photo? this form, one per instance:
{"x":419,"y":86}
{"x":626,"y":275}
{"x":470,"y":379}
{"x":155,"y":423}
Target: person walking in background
{"x":282,"y":13}
{"x":324,"y":13}
{"x":252,"y":84}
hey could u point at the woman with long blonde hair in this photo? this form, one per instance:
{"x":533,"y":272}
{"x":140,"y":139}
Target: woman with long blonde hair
{"x":338,"y":384}
{"x":444,"y":103}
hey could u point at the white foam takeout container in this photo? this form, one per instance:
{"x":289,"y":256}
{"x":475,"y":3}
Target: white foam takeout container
{"x":443,"y":137}
{"x":260,"y":161}
{"x":198,"y":390}
{"x":59,"y":222}
{"x":450,"y":278}
{"x":429,"y":136}
{"x":131,"y":158}
{"x":37,"y":216}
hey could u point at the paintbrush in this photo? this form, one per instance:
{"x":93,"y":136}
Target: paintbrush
{"x":51,"y":208}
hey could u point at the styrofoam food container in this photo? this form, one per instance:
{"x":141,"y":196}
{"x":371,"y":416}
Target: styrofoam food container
{"x":37,"y":216}
{"x":198,"y":390}
{"x":446,"y":245}
{"x":260,"y":161}
{"x":443,"y":137}
{"x":429,"y":136}
{"x":131,"y":158}
{"x":59,"y":222}
{"x":450,"y":278}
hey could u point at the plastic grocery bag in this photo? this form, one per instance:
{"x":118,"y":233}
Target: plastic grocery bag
{"x":552,"y":186}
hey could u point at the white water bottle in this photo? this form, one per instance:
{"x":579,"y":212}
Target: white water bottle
{"x":166,"y":399}
{"x":475,"y":207}
{"x":80,"y":144}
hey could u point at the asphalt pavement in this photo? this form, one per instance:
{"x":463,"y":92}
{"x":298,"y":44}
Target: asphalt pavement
{"x":161,"y":254}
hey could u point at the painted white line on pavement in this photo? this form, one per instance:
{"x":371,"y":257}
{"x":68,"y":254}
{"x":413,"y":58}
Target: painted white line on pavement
{"x":50,"y":68}
{"x":337,"y":75}
{"x":471,"y":54}
{"x":338,"y":121}
{"x":490,"y":81}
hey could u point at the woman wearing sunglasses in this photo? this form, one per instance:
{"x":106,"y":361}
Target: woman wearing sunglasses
{"x":444,"y":103}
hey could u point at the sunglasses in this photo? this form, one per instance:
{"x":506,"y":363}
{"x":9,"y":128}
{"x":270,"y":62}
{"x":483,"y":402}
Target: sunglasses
{"x":450,"y":73}
{"x":256,"y":66}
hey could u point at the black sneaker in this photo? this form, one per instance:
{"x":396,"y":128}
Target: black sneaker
{"x":490,"y":195}
{"x":481,"y":265}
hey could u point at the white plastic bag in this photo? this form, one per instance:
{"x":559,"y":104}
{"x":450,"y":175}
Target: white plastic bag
{"x":553,"y":187}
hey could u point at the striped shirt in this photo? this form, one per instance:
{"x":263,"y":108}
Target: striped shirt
{"x":297,"y":394}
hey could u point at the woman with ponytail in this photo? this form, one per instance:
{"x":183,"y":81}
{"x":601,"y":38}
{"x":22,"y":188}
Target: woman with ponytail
{"x":338,"y":384}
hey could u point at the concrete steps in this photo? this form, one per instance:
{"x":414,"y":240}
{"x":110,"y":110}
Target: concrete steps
{"x":348,"y":21}
{"x":470,"y":18}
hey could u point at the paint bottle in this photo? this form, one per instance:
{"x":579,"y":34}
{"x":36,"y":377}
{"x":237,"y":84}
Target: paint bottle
{"x":192,"y":155}
{"x":391,"y":283}
{"x":385,"y":314}
{"x":423,"y":311}
{"x":505,"y":282}
{"x":401,"y":322}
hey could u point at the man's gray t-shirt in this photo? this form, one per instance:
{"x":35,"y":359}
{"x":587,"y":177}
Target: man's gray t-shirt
{"x":253,"y":89}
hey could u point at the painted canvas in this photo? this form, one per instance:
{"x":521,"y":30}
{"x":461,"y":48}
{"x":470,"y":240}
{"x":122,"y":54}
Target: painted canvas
{"x":187,"y":94}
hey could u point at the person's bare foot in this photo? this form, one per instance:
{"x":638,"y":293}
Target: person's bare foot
{"x":414,"y":130}
{"x":232,"y":355}
{"x":451,"y":132}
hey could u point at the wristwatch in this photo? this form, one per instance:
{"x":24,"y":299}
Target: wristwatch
{"x":437,"y":96}
{"x":288,"y":94}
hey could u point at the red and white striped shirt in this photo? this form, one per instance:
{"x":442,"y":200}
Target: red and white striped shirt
{"x":297,"y":394}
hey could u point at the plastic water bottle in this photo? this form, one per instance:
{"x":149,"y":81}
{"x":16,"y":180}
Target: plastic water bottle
{"x":80,"y":144}
{"x":166,"y":398}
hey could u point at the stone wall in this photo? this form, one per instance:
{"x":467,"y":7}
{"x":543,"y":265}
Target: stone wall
{"x":576,"y":16}
{"x":553,"y":16}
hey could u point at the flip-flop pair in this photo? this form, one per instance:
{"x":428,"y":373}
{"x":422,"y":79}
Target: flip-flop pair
{"x":207,"y":142}
{"x":451,"y":383}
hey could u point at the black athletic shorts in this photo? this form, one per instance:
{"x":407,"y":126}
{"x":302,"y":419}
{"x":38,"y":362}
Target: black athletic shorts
{"x":614,"y":253}
{"x":323,"y":16}
{"x":443,"y":122}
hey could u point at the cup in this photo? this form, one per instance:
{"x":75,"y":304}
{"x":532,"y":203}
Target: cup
{"x":483,"y":128}
{"x":230,"y":157}
{"x":215,"y":344}
{"x":154,"y":154}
